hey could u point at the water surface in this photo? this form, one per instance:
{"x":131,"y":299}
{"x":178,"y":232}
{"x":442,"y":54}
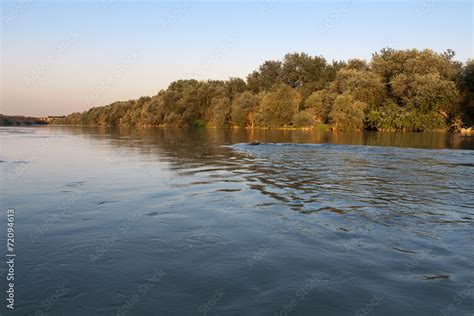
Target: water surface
{"x":198,"y":222}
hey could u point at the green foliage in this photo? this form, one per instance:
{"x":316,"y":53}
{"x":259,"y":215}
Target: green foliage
{"x":363,"y":85}
{"x":18,"y":120}
{"x":388,"y":116}
{"x":303,"y":119}
{"x":305,"y":73}
{"x":465,"y":80}
{"x":199,"y":123}
{"x":389,"y":63}
{"x":320,"y":103}
{"x":357,"y":64}
{"x":268,"y":74}
{"x":391,"y":116}
{"x":322,"y":127}
{"x":426,"y":92}
{"x":220,"y":111}
{"x":347,"y":113}
{"x":235,"y":86}
{"x":279,"y":105}
{"x":243,"y":106}
{"x":397,"y":90}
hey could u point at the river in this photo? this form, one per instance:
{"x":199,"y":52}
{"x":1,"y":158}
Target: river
{"x":113,"y":221}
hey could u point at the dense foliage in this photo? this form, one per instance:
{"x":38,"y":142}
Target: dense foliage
{"x":396,"y":90}
{"x":18,"y":120}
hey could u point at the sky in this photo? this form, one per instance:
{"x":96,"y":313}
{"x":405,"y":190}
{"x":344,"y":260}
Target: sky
{"x":59,"y":57}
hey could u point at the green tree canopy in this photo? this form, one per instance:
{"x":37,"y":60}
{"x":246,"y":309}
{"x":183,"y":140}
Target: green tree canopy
{"x":397,"y":89}
{"x":279,"y":105}
{"x":347,"y":113}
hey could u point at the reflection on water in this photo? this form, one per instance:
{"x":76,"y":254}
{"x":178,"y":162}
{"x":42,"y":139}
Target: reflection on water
{"x":197,"y":222}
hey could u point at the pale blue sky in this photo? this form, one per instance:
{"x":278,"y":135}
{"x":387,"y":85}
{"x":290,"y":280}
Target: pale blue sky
{"x":65,"y":56}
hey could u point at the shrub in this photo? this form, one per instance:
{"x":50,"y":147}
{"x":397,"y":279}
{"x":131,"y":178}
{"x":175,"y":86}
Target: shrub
{"x":303,"y":119}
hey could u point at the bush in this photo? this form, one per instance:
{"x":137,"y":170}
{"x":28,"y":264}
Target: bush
{"x":199,"y":123}
{"x":303,"y":119}
{"x":391,"y":116}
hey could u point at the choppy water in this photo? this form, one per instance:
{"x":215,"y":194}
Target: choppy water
{"x":176,"y":222}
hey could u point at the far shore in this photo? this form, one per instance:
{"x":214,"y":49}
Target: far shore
{"x":327,"y":128}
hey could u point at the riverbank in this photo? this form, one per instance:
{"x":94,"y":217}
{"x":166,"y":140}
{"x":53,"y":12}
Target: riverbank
{"x":317,"y":127}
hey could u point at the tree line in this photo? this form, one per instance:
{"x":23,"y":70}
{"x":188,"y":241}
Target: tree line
{"x":19,"y":120}
{"x":412,"y":89}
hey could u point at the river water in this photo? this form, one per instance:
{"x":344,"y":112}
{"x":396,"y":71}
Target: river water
{"x":199,"y":222}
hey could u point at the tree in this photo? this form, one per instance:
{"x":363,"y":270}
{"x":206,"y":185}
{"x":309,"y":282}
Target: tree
{"x":235,"y":86}
{"x":389,"y":63}
{"x":220,"y":111}
{"x":465,"y":79}
{"x":357,"y":64}
{"x":279,"y":105}
{"x":398,"y":89}
{"x":268,"y":75}
{"x":426,"y":93}
{"x":319,"y":103}
{"x":305,"y":73}
{"x":347,"y":113}
{"x":243,"y":106}
{"x":363,"y":85}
